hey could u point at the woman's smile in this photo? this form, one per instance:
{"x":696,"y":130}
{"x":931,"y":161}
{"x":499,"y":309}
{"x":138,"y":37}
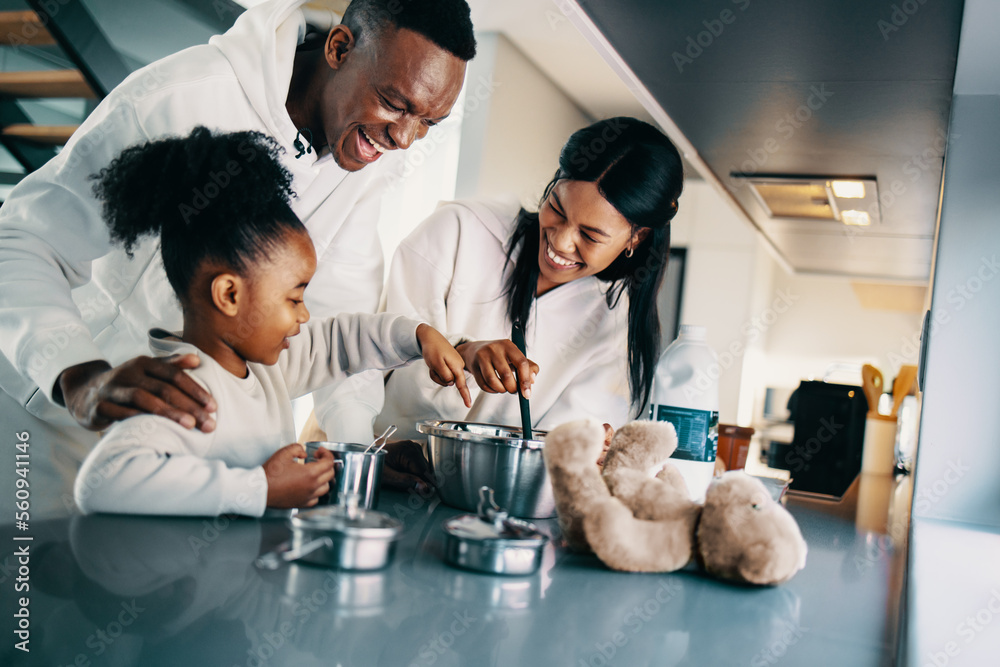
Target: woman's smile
{"x":557,"y":261}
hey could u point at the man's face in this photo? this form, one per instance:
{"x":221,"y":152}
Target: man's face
{"x":386,"y":94}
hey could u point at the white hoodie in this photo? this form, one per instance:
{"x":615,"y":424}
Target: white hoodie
{"x":54,"y":240}
{"x":450,"y":273}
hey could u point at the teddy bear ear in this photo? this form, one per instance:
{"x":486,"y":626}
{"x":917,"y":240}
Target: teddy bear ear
{"x":766,"y":564}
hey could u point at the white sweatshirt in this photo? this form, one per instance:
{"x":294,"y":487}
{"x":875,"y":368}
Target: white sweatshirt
{"x":151,"y":465}
{"x":54,"y":240}
{"x":450,"y":273}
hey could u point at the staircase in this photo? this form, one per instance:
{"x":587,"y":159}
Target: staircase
{"x":67,"y":57}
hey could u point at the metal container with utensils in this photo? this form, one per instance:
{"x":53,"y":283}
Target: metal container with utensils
{"x":465,"y":456}
{"x":355,"y":471}
{"x":490,"y":541}
{"x":347,"y":537}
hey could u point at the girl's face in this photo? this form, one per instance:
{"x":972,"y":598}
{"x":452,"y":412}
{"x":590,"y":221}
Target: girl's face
{"x":581,"y":234}
{"x":275,"y":310}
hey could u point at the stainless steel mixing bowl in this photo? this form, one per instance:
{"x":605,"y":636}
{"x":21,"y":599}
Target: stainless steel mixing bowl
{"x":465,"y":456}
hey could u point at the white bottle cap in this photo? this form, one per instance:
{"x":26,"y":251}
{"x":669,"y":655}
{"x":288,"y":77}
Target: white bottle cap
{"x":694,"y":332}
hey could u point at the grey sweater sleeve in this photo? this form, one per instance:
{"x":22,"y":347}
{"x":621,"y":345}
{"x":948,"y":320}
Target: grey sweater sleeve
{"x":332,"y":349}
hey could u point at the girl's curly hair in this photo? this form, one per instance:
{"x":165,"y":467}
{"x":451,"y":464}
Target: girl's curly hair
{"x":209,"y":196}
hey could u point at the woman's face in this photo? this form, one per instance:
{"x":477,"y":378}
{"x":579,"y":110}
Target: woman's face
{"x":276,"y":310}
{"x":581,"y":234}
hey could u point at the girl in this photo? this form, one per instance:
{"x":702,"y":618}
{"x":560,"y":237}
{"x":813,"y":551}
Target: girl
{"x":239,"y":261}
{"x":581,"y":274}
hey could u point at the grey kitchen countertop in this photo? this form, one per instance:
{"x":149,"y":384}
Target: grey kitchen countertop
{"x":119,"y":590}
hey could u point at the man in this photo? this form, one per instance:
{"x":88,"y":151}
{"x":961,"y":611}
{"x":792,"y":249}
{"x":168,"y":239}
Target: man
{"x":74,"y":313}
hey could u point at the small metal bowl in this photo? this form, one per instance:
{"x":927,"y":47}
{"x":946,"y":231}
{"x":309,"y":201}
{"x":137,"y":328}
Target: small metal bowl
{"x":465,"y":456}
{"x":492,"y":542}
{"x":345,"y":537}
{"x":357,"y":470}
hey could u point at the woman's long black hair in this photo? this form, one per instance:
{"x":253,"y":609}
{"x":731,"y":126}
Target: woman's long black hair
{"x":218,"y":196}
{"x":638,"y":171}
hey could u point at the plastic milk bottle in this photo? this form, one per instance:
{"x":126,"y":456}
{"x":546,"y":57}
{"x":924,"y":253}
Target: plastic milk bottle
{"x":686,"y":393}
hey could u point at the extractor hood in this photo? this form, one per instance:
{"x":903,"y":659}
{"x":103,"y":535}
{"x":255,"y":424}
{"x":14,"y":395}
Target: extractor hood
{"x":791,"y":89}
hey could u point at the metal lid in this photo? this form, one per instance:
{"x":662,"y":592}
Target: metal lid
{"x":471,"y":527}
{"x":492,"y":523}
{"x":349,"y":520}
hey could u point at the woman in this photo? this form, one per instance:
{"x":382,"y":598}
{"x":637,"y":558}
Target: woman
{"x":581,"y":274}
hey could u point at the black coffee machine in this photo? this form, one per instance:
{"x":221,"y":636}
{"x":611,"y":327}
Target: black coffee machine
{"x":824,"y":456}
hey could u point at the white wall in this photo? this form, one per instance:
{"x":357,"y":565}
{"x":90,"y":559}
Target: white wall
{"x":511,"y":142}
{"x":720,"y":291}
{"x":826,"y":324}
{"x":419,"y":178}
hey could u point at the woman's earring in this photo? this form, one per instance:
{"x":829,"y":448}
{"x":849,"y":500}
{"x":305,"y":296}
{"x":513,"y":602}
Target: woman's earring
{"x":628,"y":251}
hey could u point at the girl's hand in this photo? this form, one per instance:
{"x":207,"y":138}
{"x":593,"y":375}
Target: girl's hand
{"x":493,"y":363}
{"x":446,"y":364}
{"x":293,"y":482}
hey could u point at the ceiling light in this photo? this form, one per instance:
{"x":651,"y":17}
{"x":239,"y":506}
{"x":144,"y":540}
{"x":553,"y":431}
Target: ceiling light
{"x":821,"y":199}
{"x":854,"y":217}
{"x":805,"y":199}
{"x":848,"y":189}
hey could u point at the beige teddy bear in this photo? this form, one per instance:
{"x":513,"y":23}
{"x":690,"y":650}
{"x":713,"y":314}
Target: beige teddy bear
{"x":637,"y":515}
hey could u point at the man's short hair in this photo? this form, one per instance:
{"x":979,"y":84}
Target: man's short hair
{"x":447,"y":23}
